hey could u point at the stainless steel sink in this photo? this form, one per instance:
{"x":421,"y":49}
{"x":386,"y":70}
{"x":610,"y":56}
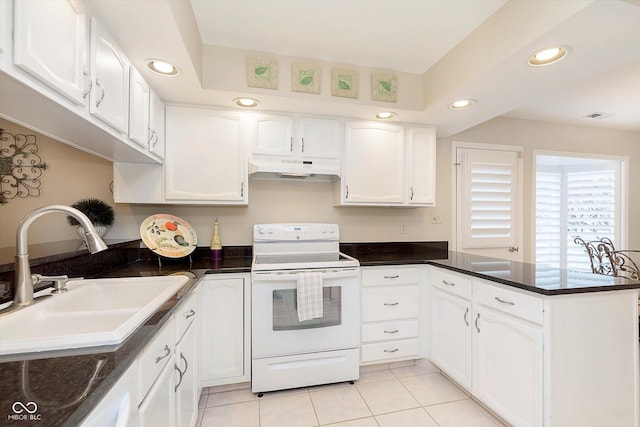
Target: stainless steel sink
{"x":92,"y":313}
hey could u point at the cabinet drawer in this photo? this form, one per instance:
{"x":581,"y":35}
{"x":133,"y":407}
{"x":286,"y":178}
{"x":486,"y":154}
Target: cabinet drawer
{"x":457,"y":284}
{"x":389,"y":302}
{"x":389,"y":276}
{"x":389,"y":330}
{"x":155,"y":356}
{"x":517,"y":304}
{"x":389,"y":350}
{"x":187,"y":313}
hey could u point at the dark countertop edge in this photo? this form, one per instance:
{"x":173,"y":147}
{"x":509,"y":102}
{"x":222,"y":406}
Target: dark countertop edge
{"x":94,"y":398}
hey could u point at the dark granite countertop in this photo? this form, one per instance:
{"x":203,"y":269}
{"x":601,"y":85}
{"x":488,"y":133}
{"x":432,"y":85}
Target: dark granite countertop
{"x":58,"y":377}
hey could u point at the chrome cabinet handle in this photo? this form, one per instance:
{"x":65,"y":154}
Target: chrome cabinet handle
{"x":448,"y":283}
{"x":191,"y":313}
{"x":242,"y":189}
{"x":291,"y":145}
{"x":513,"y":249}
{"x":411,"y":193}
{"x":302,"y":144}
{"x":391,"y":351}
{"x":99,"y":101}
{"x":395,"y":331}
{"x":465,"y":316}
{"x":346,"y":196}
{"x":476,"y":322}
{"x":504,"y":302}
{"x":392,"y":277}
{"x":390,"y":304}
{"x":88,"y":90}
{"x":167,"y":351}
{"x":181,"y":374}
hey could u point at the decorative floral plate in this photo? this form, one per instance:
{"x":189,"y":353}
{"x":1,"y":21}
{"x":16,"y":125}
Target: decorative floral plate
{"x":168,"y":235}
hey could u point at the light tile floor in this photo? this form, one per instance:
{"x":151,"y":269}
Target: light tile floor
{"x":404,"y":396}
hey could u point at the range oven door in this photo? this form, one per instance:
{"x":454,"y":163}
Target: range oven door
{"x":276,"y":330}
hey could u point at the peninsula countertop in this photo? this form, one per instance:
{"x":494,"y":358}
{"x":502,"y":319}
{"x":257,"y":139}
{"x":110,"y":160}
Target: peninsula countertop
{"x":59,"y":373}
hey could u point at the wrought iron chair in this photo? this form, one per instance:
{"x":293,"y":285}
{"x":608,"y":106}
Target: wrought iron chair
{"x":605,"y":259}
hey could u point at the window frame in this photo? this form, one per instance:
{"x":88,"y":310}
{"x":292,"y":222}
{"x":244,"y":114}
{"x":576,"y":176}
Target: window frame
{"x":622,"y":230}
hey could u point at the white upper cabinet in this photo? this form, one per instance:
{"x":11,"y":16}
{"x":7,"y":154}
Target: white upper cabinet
{"x":272,"y":135}
{"x":302,"y":137}
{"x":205,"y":157}
{"x":373,"y":164}
{"x":421,"y":166}
{"x":110,"y":76}
{"x":50,"y":43}
{"x":318,"y":137}
{"x":138,"y":109}
{"x":156,"y":125}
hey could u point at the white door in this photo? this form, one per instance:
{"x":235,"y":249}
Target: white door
{"x":204,"y":156}
{"x":110,"y":73}
{"x":451,"y":335}
{"x":273,"y":135}
{"x":319,"y":138}
{"x":507,"y":367}
{"x":138,"y":109}
{"x":222,"y":329}
{"x":488,"y":202}
{"x":50,"y":42}
{"x":421,"y":163}
{"x":374,"y":164}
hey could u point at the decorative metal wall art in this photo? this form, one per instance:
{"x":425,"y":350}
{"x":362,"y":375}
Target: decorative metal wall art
{"x":20,"y":166}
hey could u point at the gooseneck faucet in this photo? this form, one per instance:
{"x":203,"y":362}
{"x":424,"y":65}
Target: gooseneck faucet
{"x":23,"y":284}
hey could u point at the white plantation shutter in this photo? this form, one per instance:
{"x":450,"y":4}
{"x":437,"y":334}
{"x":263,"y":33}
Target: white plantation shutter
{"x":489,"y":186}
{"x":549,"y":217}
{"x":572,"y":201}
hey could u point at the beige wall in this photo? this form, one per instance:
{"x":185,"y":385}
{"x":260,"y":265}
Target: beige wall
{"x":70,"y":175}
{"x":73,"y":175}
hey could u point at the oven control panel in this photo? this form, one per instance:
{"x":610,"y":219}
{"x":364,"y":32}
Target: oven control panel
{"x":296,"y":231}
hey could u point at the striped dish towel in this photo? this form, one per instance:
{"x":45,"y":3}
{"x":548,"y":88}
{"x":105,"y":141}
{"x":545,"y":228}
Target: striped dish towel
{"x":309,"y":295}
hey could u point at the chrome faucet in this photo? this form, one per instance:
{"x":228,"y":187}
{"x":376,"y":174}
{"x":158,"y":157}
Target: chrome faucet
{"x":23,"y":284}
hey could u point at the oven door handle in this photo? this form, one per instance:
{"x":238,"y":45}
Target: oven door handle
{"x":292,"y":274}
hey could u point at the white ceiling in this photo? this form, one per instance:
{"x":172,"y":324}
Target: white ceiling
{"x":458,"y":48}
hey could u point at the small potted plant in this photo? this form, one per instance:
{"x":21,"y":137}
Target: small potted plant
{"x":99,"y":213}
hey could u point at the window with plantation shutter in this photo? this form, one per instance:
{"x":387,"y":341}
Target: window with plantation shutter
{"x":488,"y":181}
{"x":575,"y":197}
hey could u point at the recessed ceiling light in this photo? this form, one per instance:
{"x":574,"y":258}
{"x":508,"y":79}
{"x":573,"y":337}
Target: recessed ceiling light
{"x":548,"y":56}
{"x":246,"y":102}
{"x":385,"y":115}
{"x":163,"y":68}
{"x":461,"y":104}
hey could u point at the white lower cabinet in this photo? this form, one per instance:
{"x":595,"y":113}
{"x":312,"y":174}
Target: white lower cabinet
{"x":450,"y":311}
{"x":225,"y":331}
{"x":390,"y":329}
{"x":156,"y":379}
{"x":187,"y":361}
{"x":536,"y":360}
{"x":507,"y":366}
{"x":158,"y":408}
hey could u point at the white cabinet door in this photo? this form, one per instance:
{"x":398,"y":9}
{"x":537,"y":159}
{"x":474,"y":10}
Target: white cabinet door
{"x":158,"y":408}
{"x":273,"y":135}
{"x":421,"y":165}
{"x":451,"y":335}
{"x":205,"y":156}
{"x":50,"y":43}
{"x":318,"y":138}
{"x":138,"y":109}
{"x":374,"y":159}
{"x":110,"y":75}
{"x":507,"y":366}
{"x":156,"y":125}
{"x":187,"y":381}
{"x":223,"y":344}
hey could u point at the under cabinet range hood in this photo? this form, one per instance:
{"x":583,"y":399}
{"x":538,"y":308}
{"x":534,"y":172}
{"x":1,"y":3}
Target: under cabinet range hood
{"x":318,"y":170}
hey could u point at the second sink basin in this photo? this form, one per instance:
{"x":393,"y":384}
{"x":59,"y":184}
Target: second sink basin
{"x":92,"y":313}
